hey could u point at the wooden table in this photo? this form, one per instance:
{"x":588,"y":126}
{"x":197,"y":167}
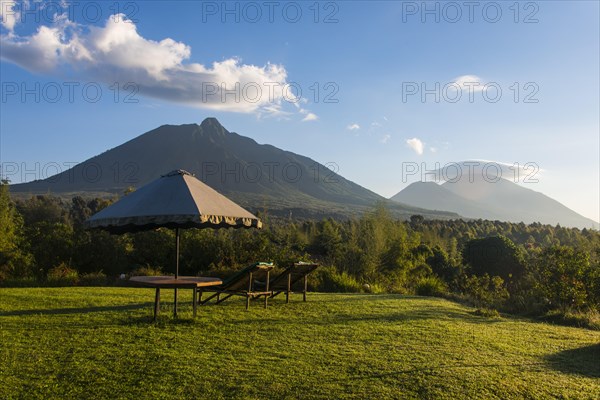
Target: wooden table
{"x":169,"y":282}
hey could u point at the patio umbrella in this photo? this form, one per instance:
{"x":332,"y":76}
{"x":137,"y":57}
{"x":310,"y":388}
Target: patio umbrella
{"x":175,"y":200}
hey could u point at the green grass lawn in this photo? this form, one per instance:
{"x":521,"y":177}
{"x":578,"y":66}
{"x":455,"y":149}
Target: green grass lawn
{"x":101,"y":343}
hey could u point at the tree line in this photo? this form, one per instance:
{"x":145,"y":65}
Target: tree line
{"x":513,"y":267}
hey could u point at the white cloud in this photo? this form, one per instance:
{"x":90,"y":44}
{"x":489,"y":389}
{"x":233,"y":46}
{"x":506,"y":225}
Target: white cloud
{"x":310,"y":117}
{"x":385,"y":138}
{"x":433,"y":149}
{"x":116,"y":52}
{"x":297,"y":101}
{"x":469,"y":82}
{"x":353,"y":127}
{"x":515,"y":169}
{"x":490,"y":170}
{"x":416,"y":144}
{"x":9,"y":14}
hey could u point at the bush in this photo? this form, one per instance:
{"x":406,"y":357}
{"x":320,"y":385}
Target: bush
{"x":526,"y":303}
{"x":374,"y":288}
{"x":485,"y":291}
{"x":494,"y":256}
{"x":431,"y":286}
{"x":19,"y":282}
{"x":62,"y":275}
{"x":147,"y":271}
{"x":583,"y":319}
{"x":329,"y":280}
{"x":564,"y":276}
{"x":93,"y":279}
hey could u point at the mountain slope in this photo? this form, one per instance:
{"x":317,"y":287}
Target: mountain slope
{"x":502,"y":200}
{"x":512,"y":202}
{"x":432,"y":196}
{"x":255,"y":175}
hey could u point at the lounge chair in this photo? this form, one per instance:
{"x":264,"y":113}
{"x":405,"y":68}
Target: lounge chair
{"x":293,"y":274}
{"x":241,"y":284}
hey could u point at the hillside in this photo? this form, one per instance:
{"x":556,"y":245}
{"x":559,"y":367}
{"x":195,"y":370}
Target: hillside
{"x":258,"y":176}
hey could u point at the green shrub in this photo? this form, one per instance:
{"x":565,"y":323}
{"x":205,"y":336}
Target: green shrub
{"x":583,"y":319}
{"x":93,"y":279}
{"x":20,"y":282}
{"x":431,"y":286}
{"x":565,"y":277}
{"x":485,"y":291}
{"x":62,"y":275}
{"x":147,"y":270}
{"x":329,"y":280}
{"x":374,"y":288}
{"x":528,"y":301}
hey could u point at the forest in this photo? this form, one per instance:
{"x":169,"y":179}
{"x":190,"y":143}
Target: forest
{"x":541,"y":271}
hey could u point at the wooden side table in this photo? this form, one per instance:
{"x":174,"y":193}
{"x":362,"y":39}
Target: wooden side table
{"x":169,"y":282}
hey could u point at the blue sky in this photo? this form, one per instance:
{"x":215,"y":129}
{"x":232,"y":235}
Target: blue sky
{"x":372,"y":58}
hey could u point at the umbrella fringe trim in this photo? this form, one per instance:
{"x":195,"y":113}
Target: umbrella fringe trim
{"x":187,"y":221}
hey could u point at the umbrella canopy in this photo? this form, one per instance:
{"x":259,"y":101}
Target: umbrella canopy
{"x":175,"y":200}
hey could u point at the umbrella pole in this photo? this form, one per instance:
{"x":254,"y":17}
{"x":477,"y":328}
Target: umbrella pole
{"x":176,"y":269}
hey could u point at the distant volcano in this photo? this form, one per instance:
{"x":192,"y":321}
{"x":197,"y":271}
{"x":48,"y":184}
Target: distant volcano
{"x":257,"y":176}
{"x":500,"y":200}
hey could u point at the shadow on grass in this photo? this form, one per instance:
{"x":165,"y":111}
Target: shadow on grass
{"x":147,"y":320}
{"x":584,"y":361}
{"x":77,"y":310}
{"x":397,"y":317}
{"x":336,"y":317}
{"x":433,"y":370}
{"x":348,"y":297}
